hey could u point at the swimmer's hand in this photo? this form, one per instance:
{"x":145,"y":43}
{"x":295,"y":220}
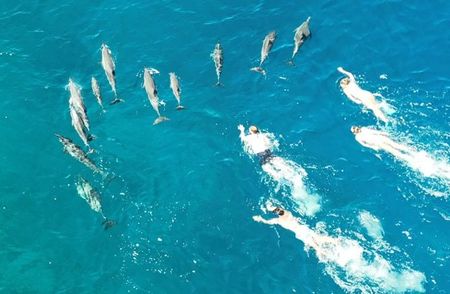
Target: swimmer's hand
{"x":258,"y":218}
{"x":340,"y":68}
{"x":241,"y":128}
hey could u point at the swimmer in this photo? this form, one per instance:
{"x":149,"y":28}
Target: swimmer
{"x":419,"y":160}
{"x":257,"y":143}
{"x":287,"y":220}
{"x":379,"y":140}
{"x":360,"y":96}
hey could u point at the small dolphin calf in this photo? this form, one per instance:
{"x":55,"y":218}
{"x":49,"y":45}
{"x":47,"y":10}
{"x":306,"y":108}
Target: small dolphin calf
{"x":96,"y":91}
{"x":77,"y":153}
{"x":301,"y":34}
{"x":176,"y":90}
{"x":217,"y":57}
{"x":110,"y":70}
{"x":267,"y":45}
{"x":152,"y":93}
{"x":91,"y":196}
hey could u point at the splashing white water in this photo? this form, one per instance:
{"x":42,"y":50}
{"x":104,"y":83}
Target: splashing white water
{"x":289,"y":174}
{"x":420,"y":161}
{"x":355,"y":268}
{"x":371,"y":224}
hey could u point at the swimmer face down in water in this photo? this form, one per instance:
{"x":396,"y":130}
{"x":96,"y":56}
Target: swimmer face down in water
{"x":360,"y":96}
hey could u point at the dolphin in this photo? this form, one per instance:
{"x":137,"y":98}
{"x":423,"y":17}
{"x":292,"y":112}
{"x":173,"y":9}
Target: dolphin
{"x":76,"y":152}
{"x":88,"y":193}
{"x":217,"y":57}
{"x":301,"y":34}
{"x":92,"y":197}
{"x":79,"y":126}
{"x":77,"y":102}
{"x":176,"y":90}
{"x":152,"y":93}
{"x":267,"y":45}
{"x":96,"y":91}
{"x":110,"y":70}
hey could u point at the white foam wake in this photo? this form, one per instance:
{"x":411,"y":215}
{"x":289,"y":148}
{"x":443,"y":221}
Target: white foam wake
{"x":371,"y":224}
{"x":355,"y":268}
{"x":290,"y":175}
{"x":428,"y":166}
{"x":420,"y":161}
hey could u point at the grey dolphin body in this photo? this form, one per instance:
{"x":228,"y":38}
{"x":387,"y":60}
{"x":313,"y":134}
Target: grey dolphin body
{"x":89,"y":194}
{"x":217,"y":57}
{"x":110,"y":70}
{"x":77,"y":153}
{"x":267,"y":45}
{"x":152,"y":93}
{"x":79,"y":126}
{"x":96,"y":91}
{"x":78,"y":113}
{"x":301,"y":34}
{"x":176,"y":90}
{"x":92,"y":197}
{"x":77,"y":102}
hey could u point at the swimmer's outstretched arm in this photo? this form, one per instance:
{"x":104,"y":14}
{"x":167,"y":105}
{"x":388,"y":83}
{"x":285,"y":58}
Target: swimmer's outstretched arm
{"x":242,"y":133}
{"x":260,"y":219}
{"x":347,"y":73}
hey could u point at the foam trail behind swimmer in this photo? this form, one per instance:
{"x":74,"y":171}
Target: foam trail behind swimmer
{"x":356,"y":268}
{"x":371,"y":224}
{"x":420,"y":161}
{"x":291,"y":175}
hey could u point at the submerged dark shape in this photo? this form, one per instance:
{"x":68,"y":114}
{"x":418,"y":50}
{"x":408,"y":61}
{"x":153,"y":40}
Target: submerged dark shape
{"x":108,"y":224}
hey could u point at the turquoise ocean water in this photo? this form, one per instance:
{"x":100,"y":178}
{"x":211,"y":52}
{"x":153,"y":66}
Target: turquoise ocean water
{"x":184,"y":191}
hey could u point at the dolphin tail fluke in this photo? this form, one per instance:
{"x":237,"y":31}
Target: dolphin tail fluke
{"x":291,"y":62}
{"x":108,"y":223}
{"x":180,"y":107}
{"x":116,"y":100}
{"x":160,"y":119}
{"x":218,"y":84}
{"x":90,"y":150}
{"x":152,"y":70}
{"x":259,"y":69}
{"x":91,"y":137}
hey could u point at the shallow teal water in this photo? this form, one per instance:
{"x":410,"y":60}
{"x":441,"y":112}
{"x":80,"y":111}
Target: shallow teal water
{"x":185,"y":191}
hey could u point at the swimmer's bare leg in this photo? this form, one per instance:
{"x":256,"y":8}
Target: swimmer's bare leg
{"x":260,"y":219}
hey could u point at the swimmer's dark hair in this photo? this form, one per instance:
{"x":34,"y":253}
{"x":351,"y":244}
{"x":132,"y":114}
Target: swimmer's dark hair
{"x":278,"y":211}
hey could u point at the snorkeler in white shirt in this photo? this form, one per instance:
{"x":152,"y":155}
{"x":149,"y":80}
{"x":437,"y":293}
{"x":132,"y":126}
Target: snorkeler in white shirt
{"x":257,"y":143}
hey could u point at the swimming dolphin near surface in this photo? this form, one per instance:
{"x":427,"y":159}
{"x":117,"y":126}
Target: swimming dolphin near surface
{"x":110,"y":70}
{"x":96,"y":91}
{"x":267,"y":45}
{"x":152,"y":93}
{"x":79,"y":126}
{"x":77,"y":102}
{"x":217,"y":57}
{"x":301,"y":34}
{"x":176,"y":90}
{"x":76,"y":152}
{"x":91,"y":196}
